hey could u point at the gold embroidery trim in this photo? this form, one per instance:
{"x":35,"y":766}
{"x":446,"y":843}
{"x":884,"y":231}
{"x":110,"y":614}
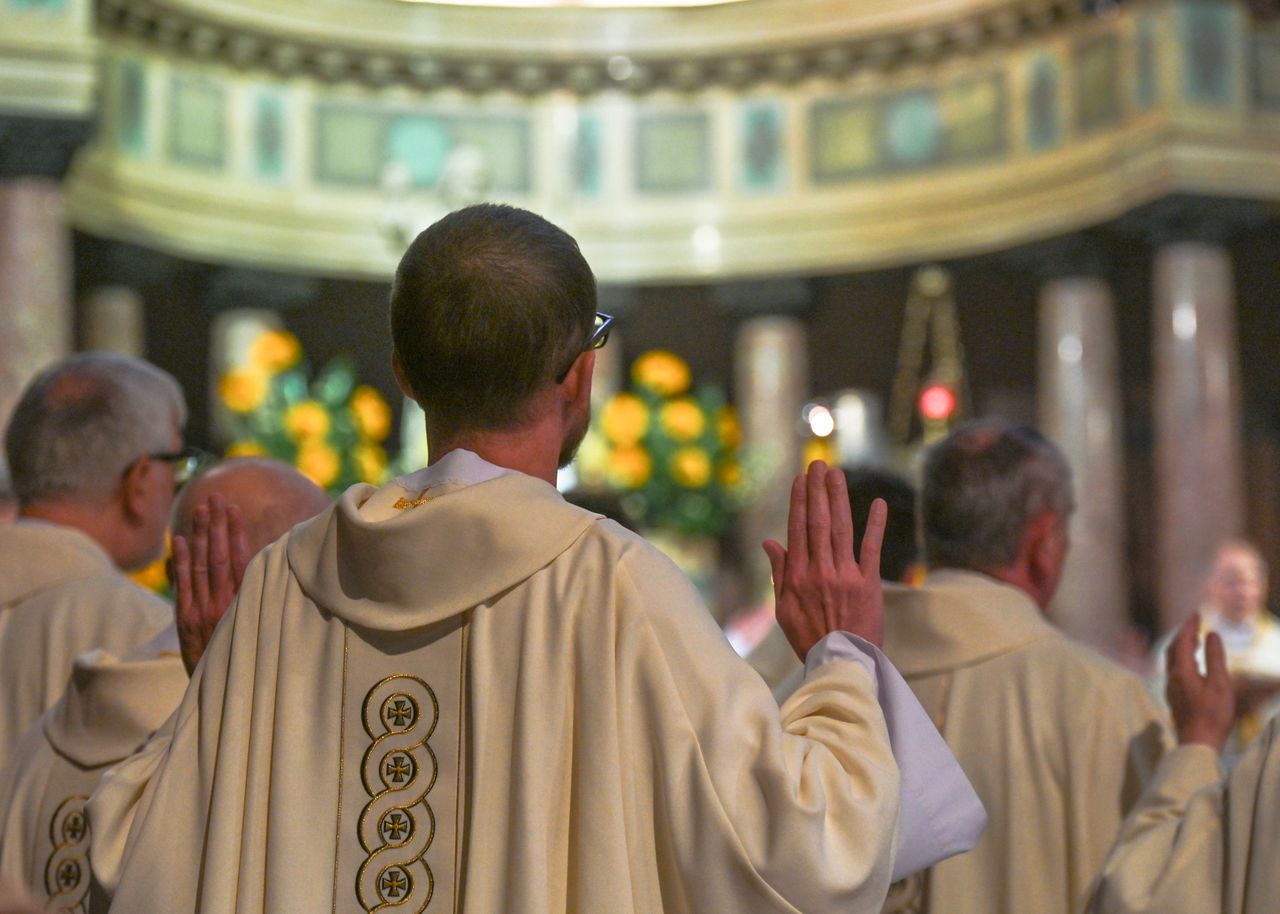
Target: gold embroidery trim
{"x":402,"y":503}
{"x":66,"y":873}
{"x":397,"y":825}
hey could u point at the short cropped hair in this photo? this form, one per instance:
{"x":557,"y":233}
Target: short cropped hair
{"x":488,"y":306}
{"x":81,"y":421}
{"x":983,"y":484}
{"x":900,"y":550}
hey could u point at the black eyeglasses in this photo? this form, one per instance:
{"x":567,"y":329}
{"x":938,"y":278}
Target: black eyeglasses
{"x":599,"y":336}
{"x":186,"y":462}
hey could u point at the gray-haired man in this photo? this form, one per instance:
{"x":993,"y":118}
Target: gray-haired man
{"x":94,"y":449}
{"x":1056,"y":740}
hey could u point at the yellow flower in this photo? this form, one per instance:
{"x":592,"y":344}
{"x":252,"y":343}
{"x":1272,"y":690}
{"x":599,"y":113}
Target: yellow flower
{"x":728,"y":428}
{"x":624,"y":419}
{"x":628,"y":467}
{"x":307,"y":421}
{"x":246,"y":449}
{"x":319,"y":463}
{"x":371,"y":413}
{"x":371,"y":463}
{"x":661,"y":371}
{"x":242,"y":391}
{"x":152,"y":577}
{"x":730,"y":474}
{"x":683,"y":419}
{"x":691,"y":467}
{"x":819,"y":449}
{"x":274,"y":350}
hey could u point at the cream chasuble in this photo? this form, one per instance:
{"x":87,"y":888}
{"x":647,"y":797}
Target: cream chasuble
{"x":108,"y":711}
{"x":480,"y":698}
{"x":1057,"y":741}
{"x":60,"y":596}
{"x":1196,"y":844}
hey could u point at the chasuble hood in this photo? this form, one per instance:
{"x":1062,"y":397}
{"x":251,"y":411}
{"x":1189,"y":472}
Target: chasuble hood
{"x":436,"y":558}
{"x":35,"y":556}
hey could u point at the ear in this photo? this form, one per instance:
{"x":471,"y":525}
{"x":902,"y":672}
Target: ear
{"x":397,"y":368}
{"x":134,"y":486}
{"x":576,"y":387}
{"x":1046,"y":549}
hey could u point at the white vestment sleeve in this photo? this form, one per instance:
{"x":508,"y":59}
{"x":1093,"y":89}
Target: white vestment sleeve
{"x":941,"y":815}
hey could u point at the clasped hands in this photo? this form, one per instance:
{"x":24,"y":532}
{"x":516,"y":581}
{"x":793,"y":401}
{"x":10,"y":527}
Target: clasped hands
{"x":818,"y":585}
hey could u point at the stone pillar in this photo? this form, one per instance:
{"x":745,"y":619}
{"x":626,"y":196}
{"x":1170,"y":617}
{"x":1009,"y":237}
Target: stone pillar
{"x":1199,"y":477}
{"x":770,"y":388}
{"x":35,"y":283}
{"x":114,"y":321}
{"x":1079,"y":406}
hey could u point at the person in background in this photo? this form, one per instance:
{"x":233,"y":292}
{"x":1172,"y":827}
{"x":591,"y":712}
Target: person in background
{"x":1235,"y":606}
{"x":1201,"y":840}
{"x":95,"y":451}
{"x":8,"y":504}
{"x":111,"y":706}
{"x":1057,"y":740}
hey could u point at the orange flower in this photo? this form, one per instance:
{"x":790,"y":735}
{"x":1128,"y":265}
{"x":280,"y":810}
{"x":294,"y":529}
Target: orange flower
{"x":691,"y":467}
{"x":371,"y":463}
{"x":628,"y":467}
{"x":624,"y":419}
{"x":274,"y":350}
{"x":246,"y":449}
{"x":307,"y":421}
{"x":683,"y":419}
{"x":319,"y":463}
{"x":728,"y":428}
{"x":371,"y":413}
{"x":242,"y":391}
{"x":661,"y":371}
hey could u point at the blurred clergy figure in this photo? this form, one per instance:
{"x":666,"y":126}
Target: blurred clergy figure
{"x":1201,"y":841}
{"x":94,"y":448}
{"x":1057,"y":740}
{"x":461,"y":693}
{"x":111,"y":706}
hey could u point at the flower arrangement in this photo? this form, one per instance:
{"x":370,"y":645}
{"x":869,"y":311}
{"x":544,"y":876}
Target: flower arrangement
{"x":330,"y":427}
{"x":670,"y":449}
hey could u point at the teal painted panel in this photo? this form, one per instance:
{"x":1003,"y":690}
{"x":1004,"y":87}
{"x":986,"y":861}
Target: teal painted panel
{"x":912,"y":129}
{"x":197,"y":122}
{"x":587,"y":163}
{"x":1265,"y":76}
{"x":1097,"y":65}
{"x":505,"y":146}
{"x":763,"y":165}
{"x":1146,"y":89}
{"x":421,"y":143}
{"x":1206,"y":35}
{"x":672,"y":153}
{"x":1044,"y":103}
{"x":269,"y":136}
{"x":50,"y":6}
{"x":350,"y":145}
{"x":131,"y":106}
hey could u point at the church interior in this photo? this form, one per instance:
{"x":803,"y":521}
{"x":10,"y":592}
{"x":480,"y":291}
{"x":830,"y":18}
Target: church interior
{"x":825,"y":228}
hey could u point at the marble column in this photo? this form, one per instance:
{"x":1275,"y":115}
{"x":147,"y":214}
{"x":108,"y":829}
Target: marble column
{"x":1198,"y":448}
{"x":1079,"y":406}
{"x":770,"y":389}
{"x":114,"y":321}
{"x":35,"y":283}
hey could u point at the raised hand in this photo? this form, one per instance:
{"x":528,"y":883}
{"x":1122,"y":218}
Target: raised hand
{"x":818,"y":585}
{"x":1203,"y":706}
{"x":207,"y":573}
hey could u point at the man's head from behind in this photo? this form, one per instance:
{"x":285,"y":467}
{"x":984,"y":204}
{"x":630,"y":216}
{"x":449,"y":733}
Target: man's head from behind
{"x":272,"y":497}
{"x":899,"y":552}
{"x":491,"y":308}
{"x":997,"y":498}
{"x":88,"y":446}
{"x":1236,"y":584}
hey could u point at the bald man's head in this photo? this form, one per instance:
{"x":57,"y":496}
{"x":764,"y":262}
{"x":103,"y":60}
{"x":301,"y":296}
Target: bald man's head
{"x":272,"y":497}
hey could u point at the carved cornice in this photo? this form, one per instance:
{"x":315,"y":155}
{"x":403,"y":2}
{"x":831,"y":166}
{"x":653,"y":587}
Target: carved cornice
{"x":551,"y":53}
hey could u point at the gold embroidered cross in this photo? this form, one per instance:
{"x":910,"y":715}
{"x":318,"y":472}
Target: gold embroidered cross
{"x":403,"y":503}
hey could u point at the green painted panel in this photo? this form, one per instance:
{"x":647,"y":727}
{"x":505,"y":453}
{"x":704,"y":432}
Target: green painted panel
{"x":1266,"y":71}
{"x":350,"y":145}
{"x":763,"y":167}
{"x":504,"y":142}
{"x":974,"y":118}
{"x":588,"y":170}
{"x":197,"y":122}
{"x":130,"y":89}
{"x":672,"y":154}
{"x":1097,"y":65}
{"x":269,"y":136}
{"x":1206,"y":34}
{"x":843,"y":139}
{"x":1044,"y":103}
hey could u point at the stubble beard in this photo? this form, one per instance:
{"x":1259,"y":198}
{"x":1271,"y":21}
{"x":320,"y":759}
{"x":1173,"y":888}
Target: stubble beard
{"x":572,"y":441}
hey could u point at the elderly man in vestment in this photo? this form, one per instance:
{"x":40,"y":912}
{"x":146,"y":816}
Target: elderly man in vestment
{"x":94,"y":448}
{"x":111,"y":706}
{"x":460,"y":693}
{"x":1057,"y":740}
{"x":1201,"y":841}
{"x":1235,"y":606}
